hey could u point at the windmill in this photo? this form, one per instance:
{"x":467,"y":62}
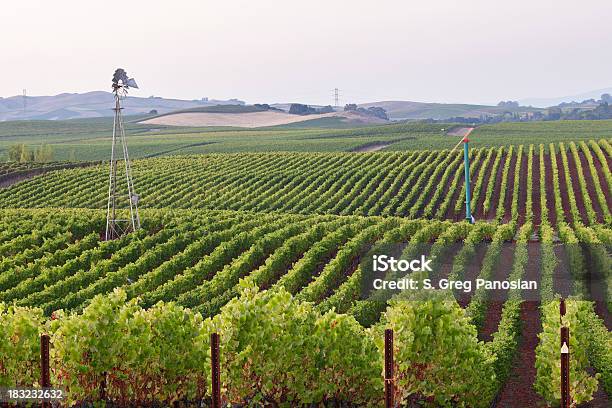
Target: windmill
{"x":466,"y":163}
{"x":122,"y":209}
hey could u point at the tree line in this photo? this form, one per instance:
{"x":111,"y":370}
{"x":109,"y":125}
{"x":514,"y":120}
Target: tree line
{"x":23,"y":154}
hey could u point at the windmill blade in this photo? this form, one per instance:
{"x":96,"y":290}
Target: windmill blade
{"x":132,"y":83}
{"x":120,"y":75}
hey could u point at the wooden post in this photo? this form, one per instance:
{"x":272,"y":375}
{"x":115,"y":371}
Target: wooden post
{"x":562,"y":307}
{"x":103,"y":387}
{"x":216,"y":377}
{"x":389,"y":380}
{"x":565,"y":368}
{"x":45,"y":373}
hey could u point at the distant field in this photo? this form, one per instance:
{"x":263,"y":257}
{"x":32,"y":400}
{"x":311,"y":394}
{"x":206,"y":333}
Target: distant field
{"x":253,"y":118}
{"x":532,"y":132}
{"x":90,"y":139}
{"x":419,"y":110}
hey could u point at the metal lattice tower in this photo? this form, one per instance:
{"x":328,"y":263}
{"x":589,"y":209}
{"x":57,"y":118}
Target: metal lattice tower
{"x":122,"y":210}
{"x":336,"y":97}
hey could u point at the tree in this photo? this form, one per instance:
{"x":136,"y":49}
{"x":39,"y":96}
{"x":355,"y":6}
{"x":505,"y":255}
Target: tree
{"x":606,"y":98}
{"x":26,"y":155}
{"x":325,"y":109}
{"x":15,"y":152}
{"x":378,"y":112}
{"x":43,"y":154}
{"x":554,"y":113}
{"x":20,"y":153}
{"x":299,"y":109}
{"x":508,"y":104}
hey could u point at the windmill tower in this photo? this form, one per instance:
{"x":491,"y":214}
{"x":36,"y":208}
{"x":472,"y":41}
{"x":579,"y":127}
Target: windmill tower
{"x":122,"y":210}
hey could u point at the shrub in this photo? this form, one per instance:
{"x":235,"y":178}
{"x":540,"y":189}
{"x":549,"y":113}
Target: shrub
{"x":438,"y":359}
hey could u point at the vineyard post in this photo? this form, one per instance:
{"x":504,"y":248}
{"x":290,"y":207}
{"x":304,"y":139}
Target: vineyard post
{"x":103,"y":387}
{"x":565,"y":369}
{"x":466,"y":163}
{"x":389,"y":380}
{"x":215,"y":368}
{"x":561,"y":310}
{"x":45,"y":374}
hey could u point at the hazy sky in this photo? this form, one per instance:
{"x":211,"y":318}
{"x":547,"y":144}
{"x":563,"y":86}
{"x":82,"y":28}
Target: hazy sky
{"x":280,"y":51}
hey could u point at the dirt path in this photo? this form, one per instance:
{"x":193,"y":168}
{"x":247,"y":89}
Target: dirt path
{"x":446,"y":188}
{"x":576,"y":187}
{"x":510,"y":188}
{"x":550,"y":196}
{"x":562,"y":278}
{"x":471,"y":273}
{"x":496,"y":302}
{"x":497,"y":187}
{"x":518,"y":390}
{"x":460,"y":131}
{"x":564,"y":191}
{"x":595,"y":285}
{"x":14,"y":178}
{"x":588,"y":177}
{"x":602,"y":180}
{"x":373,"y":147}
{"x":446,"y":266}
{"x":600,"y":399}
{"x":473,"y":178}
{"x":477,"y":210}
{"x":522,"y":190}
{"x":535,"y":188}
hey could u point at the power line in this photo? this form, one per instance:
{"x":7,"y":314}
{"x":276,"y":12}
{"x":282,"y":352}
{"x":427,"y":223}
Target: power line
{"x":336,"y":92}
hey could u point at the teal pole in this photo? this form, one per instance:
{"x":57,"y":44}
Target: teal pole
{"x":466,"y":160}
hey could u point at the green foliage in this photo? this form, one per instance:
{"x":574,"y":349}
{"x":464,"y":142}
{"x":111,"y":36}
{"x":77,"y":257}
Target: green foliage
{"x":505,"y":340}
{"x":600,"y":348}
{"x":43,"y":153}
{"x":20,"y":330}
{"x":559,"y":213}
{"x":439,"y":360}
{"x":601,"y":197}
{"x":279,"y":350}
{"x":548,"y":353}
{"x":548,"y":263}
{"x":486,"y":205}
{"x":479,"y":302}
{"x":503,"y":190}
{"x":155,"y":355}
{"x":17,"y":152}
{"x":415,"y":185}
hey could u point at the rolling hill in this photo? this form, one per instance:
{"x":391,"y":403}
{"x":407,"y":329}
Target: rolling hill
{"x":91,"y":105}
{"x":255,"y":119}
{"x":400,"y":110}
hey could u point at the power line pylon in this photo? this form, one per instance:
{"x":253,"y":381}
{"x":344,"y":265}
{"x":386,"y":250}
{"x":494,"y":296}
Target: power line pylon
{"x":336,"y":97}
{"x":122,"y":209}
